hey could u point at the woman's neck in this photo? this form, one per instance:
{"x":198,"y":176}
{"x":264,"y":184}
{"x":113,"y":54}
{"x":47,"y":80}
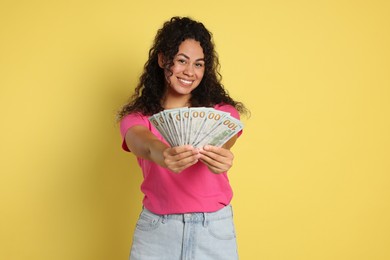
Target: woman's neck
{"x":172,"y":101}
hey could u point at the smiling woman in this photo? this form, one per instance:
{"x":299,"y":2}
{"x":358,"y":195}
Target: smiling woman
{"x":187,"y":194}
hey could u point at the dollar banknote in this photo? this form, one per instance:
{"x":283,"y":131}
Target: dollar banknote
{"x":197,"y":126}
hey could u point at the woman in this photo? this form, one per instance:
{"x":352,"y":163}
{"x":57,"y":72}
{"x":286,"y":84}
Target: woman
{"x":187,"y":212}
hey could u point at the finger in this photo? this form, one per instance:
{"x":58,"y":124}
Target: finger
{"x":182,"y":149}
{"x":182,"y":159}
{"x":178,"y":153}
{"x":214,"y":169}
{"x":214,"y":163}
{"x":179,"y":166}
{"x":217,"y":150}
{"x":185,"y":156}
{"x":190,"y":163}
{"x":220,"y":154}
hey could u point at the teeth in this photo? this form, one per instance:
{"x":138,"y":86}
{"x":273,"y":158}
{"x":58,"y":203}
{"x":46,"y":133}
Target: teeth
{"x":185,"y":81}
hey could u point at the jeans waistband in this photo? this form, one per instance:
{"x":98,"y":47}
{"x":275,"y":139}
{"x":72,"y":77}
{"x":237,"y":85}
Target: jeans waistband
{"x":225,"y":212}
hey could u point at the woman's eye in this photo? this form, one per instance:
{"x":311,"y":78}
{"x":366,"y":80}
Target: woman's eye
{"x":181,"y":61}
{"x":199,"y":65}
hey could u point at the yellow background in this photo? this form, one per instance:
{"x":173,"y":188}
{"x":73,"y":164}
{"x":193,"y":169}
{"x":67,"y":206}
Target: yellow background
{"x":311,"y":174}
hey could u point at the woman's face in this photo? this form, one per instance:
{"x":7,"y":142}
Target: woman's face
{"x":187,"y":70}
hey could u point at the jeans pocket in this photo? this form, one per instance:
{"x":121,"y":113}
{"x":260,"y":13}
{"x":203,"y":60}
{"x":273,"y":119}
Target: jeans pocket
{"x":222,"y":229}
{"x":148,"y":221}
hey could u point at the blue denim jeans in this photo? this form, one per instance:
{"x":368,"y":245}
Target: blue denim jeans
{"x":191,"y":236}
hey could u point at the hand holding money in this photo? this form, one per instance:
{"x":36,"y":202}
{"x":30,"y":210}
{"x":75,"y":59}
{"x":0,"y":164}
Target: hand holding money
{"x":196,"y":126}
{"x":217,"y":159}
{"x":179,"y":158}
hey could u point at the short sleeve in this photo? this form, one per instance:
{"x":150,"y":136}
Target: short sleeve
{"x":129,"y":121}
{"x":230,"y":109}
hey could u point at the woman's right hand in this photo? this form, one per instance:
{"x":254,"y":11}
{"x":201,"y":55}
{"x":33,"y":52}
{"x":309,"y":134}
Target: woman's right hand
{"x":179,"y":158}
{"x":146,"y":145}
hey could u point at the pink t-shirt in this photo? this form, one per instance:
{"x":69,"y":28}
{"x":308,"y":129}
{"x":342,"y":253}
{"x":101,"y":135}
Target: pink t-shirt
{"x":195,"y":189}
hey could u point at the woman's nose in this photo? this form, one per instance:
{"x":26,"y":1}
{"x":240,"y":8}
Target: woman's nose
{"x":189,"y":70}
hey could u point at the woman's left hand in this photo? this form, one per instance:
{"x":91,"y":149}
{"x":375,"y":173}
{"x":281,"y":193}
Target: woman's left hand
{"x":217,"y":159}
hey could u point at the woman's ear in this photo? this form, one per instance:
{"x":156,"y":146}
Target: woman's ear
{"x":161,"y":60}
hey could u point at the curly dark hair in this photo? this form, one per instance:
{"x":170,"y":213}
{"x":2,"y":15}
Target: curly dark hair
{"x":151,"y":87}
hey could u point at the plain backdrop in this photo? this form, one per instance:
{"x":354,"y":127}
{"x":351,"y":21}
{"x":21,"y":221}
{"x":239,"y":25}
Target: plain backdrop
{"x":311,"y":171}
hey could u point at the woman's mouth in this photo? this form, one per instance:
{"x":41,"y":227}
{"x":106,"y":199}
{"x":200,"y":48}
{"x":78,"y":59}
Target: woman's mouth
{"x":185,"y":82}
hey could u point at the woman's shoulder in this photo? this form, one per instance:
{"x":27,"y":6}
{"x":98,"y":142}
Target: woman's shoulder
{"x":228,"y":108}
{"x":133,"y":118}
{"x":223,"y":106}
{"x":135,"y":115}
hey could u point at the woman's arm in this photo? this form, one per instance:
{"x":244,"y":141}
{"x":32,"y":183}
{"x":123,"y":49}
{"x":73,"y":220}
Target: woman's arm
{"x":146,"y":145}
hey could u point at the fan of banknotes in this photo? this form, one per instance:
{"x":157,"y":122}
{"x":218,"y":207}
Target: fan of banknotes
{"x":197,"y":126}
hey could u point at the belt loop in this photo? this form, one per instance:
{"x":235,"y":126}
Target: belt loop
{"x":205,"y":220}
{"x":164,"y":219}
